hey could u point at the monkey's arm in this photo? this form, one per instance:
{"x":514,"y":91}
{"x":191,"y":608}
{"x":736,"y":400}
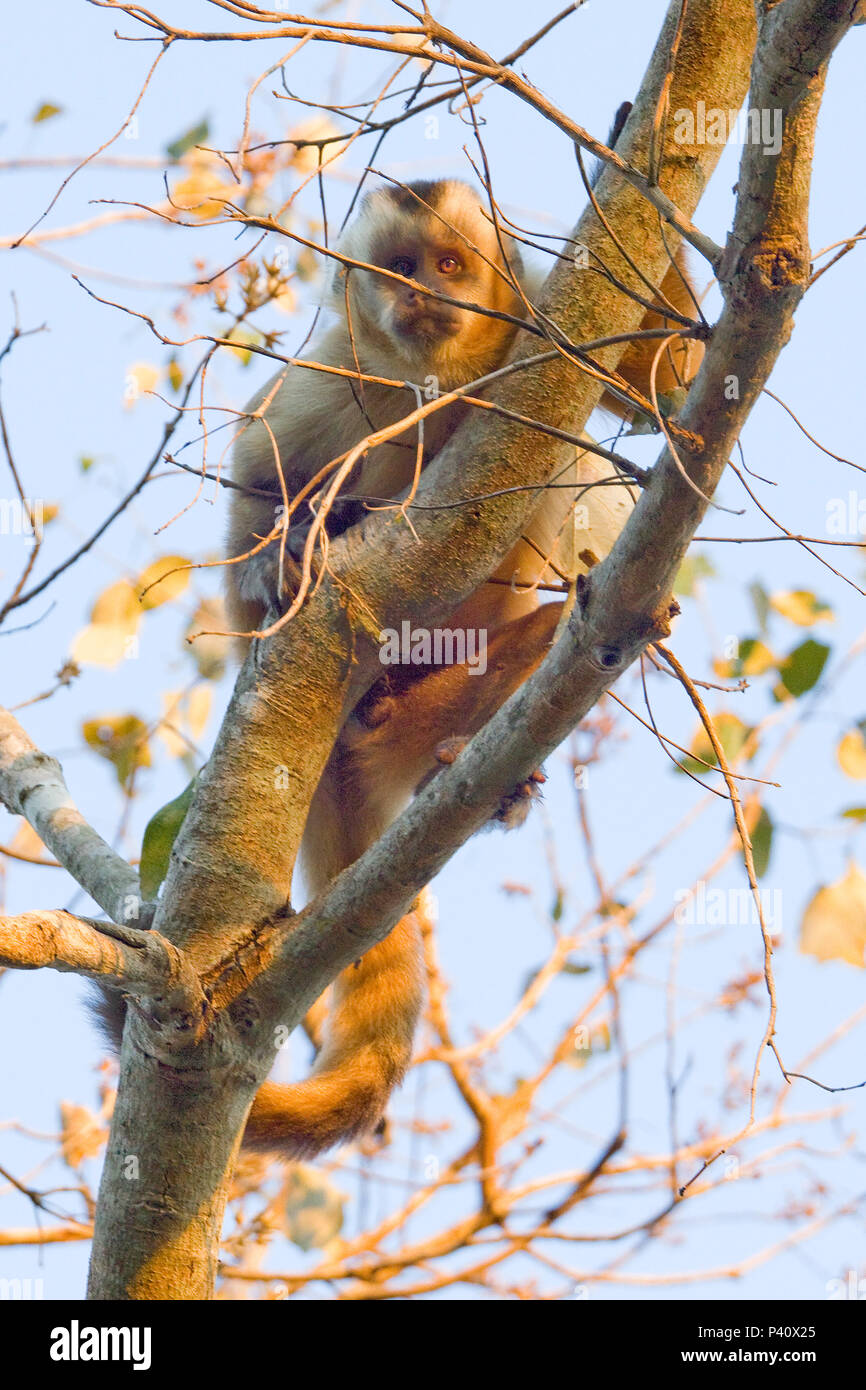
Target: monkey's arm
{"x":293,"y":428}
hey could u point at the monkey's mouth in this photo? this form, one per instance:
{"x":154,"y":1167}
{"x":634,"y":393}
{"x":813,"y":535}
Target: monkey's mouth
{"x":428,"y":325}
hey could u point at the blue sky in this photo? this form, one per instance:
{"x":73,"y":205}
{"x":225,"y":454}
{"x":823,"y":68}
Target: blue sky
{"x":63,"y":396}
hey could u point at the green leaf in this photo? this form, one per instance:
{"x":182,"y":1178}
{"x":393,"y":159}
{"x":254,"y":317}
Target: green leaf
{"x":175,"y":374}
{"x":313,"y":1208}
{"x":761,"y":604}
{"x":642,"y":424}
{"x":693,"y":569}
{"x":196,"y":135}
{"x":159,"y":836}
{"x":802,"y":669}
{"x":672,"y":402}
{"x":754,"y":658}
{"x":762,"y":843}
{"x":732,"y":734}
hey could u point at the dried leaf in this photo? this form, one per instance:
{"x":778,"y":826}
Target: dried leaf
{"x":834,"y":923}
{"x":121,"y":739}
{"x":163,"y":580}
{"x":140,"y":378}
{"x":103,"y":644}
{"x":210,"y":651}
{"x":82,"y":1135}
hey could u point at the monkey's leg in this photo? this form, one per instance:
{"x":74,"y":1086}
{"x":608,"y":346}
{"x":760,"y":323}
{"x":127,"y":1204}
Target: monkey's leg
{"x":385,"y":750}
{"x":367,"y":1039}
{"x":448,"y":702}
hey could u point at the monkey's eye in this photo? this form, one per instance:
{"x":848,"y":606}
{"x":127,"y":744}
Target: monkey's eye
{"x":449,"y":265}
{"x":403,"y":265}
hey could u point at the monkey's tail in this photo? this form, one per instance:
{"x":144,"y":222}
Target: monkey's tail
{"x":365,"y":1053}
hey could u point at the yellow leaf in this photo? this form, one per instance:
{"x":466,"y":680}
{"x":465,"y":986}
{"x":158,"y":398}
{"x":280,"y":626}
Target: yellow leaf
{"x":286,"y":300}
{"x":198,"y":708}
{"x":185,"y":714}
{"x":171,"y":722}
{"x":753,"y":658}
{"x":834,"y":923}
{"x":306,"y":265}
{"x":801,"y":607}
{"x":731,"y":733}
{"x":209,"y":651}
{"x":140,"y":378}
{"x":242,"y":336}
{"x":109,"y":637}
{"x":420,"y":43}
{"x":851,"y":755}
{"x":756,"y":658}
{"x":45,"y":112}
{"x":204,"y":189}
{"x":104,"y":644}
{"x":122,"y":739}
{"x":82,"y":1135}
{"x":306,"y":160}
{"x":169,"y":576}
{"x":117,"y":604}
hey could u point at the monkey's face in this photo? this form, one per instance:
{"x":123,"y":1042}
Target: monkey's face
{"x":436,"y":264}
{"x":427,"y":236}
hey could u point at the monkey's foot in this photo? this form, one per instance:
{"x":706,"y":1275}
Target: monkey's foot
{"x":514,"y":806}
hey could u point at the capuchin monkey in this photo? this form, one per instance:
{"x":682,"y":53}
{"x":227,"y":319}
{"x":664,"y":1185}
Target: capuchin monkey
{"x":408,"y":724}
{"x":414,"y":719}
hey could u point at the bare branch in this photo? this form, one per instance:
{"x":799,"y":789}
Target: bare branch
{"x":138,"y":962}
{"x":32,"y":785}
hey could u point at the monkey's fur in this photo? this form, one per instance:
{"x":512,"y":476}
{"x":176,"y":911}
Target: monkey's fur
{"x":389,"y":744}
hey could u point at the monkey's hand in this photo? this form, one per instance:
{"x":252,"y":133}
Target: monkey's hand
{"x":267,"y":579}
{"x":514,"y":806}
{"x":259,"y":581}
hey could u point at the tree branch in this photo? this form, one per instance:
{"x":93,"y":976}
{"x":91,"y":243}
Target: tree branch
{"x":32,"y":785}
{"x":139,"y":962}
